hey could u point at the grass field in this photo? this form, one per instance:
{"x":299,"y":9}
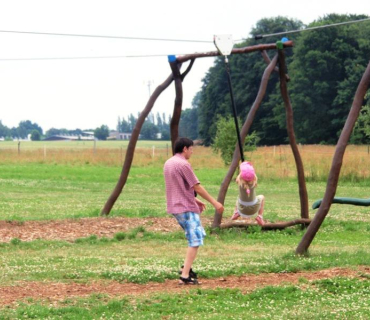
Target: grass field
{"x":73,"y":180}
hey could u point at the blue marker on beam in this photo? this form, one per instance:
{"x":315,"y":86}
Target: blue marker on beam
{"x":171,"y":58}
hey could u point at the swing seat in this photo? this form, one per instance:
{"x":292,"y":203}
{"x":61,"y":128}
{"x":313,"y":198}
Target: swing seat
{"x":352,"y":201}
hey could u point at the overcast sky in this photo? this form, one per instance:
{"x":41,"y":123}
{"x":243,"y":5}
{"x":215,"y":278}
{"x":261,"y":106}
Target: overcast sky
{"x":86,"y":93}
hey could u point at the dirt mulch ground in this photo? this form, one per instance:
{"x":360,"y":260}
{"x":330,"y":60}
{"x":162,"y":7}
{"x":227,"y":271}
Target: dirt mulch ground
{"x":55,"y":292}
{"x":106,"y":227}
{"x":72,"y":229}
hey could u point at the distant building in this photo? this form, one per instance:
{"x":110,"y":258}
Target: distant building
{"x":86,"y":136}
{"x":22,"y":139}
{"x":88,"y":133}
{"x":115,"y":135}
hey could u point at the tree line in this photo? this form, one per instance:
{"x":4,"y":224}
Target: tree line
{"x":157,"y":126}
{"x":154,"y":125}
{"x":27,"y":127}
{"x":21,"y":132}
{"x":325,"y":67}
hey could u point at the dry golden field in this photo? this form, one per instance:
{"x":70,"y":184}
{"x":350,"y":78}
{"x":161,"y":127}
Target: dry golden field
{"x":271,"y":162}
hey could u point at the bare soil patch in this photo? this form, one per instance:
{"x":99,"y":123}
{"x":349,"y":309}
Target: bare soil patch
{"x":55,"y":292}
{"x":71,"y":229}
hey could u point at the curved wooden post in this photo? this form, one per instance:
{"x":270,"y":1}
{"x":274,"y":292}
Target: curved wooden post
{"x":131,"y":147}
{"x":336,"y":165}
{"x":267,"y":226}
{"x":243,"y":133}
{"x":179,"y":78}
{"x":289,"y":121}
{"x":267,"y":59}
{"x":178,"y":103}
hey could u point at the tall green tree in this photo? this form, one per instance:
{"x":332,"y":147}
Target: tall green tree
{"x":246,"y":74}
{"x":226,"y":139}
{"x":26,"y":127}
{"x":123,"y":126}
{"x":14,"y":132}
{"x":165,"y":129}
{"x":35,"y":135}
{"x":101,"y":132}
{"x":159,"y":121}
{"x":132,"y":121}
{"x":4,"y":130}
{"x":326,"y":69}
{"x":149,"y":130}
{"x":361,"y":131}
{"x":188,"y":126}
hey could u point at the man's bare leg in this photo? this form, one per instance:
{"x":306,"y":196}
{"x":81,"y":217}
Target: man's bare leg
{"x":191,"y":254}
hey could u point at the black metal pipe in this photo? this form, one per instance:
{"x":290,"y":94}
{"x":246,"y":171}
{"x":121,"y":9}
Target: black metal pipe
{"x":234,"y":109}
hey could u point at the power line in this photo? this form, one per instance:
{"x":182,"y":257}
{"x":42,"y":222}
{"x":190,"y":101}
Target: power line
{"x":257,"y":37}
{"x":102,"y":57}
{"x":260,"y":36}
{"x":174,"y":40}
{"x":101,"y":36}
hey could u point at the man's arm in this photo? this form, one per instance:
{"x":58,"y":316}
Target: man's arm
{"x":206,"y":196}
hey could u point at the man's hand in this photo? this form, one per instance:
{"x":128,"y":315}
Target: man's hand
{"x":219,"y":207}
{"x":205,"y":195}
{"x":201,"y":205}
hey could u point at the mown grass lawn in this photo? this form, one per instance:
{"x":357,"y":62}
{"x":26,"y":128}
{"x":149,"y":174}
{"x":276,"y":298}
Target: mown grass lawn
{"x":53,"y":191}
{"x":44,"y":191}
{"x":143,"y":256}
{"x":337,"y":298}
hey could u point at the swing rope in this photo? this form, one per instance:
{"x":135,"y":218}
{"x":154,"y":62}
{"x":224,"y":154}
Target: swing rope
{"x":234,"y":109}
{"x":224,"y":45}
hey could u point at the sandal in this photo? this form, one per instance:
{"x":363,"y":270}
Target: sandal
{"x":235,"y":216}
{"x":192,"y":274}
{"x":189,"y":280}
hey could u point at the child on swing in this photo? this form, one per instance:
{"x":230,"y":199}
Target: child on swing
{"x":248,"y":204}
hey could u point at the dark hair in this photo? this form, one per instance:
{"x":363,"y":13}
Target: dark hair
{"x":181,"y":143}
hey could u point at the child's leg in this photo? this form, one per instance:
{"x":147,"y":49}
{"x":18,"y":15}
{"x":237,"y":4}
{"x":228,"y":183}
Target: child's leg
{"x":260,"y":211}
{"x":235,"y":215}
{"x":259,"y":217}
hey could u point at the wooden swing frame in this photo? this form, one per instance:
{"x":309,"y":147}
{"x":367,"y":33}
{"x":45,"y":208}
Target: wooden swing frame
{"x":177,"y":77}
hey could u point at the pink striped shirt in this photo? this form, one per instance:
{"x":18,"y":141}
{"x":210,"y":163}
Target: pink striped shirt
{"x":180,"y":181}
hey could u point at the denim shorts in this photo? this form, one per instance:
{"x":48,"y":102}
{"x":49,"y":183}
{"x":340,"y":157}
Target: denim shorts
{"x":192,"y":226}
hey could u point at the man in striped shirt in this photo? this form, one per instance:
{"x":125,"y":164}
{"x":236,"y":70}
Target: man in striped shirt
{"x":181,"y":185}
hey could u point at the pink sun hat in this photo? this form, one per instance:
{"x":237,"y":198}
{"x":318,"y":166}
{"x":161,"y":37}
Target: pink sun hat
{"x":247,"y":171}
